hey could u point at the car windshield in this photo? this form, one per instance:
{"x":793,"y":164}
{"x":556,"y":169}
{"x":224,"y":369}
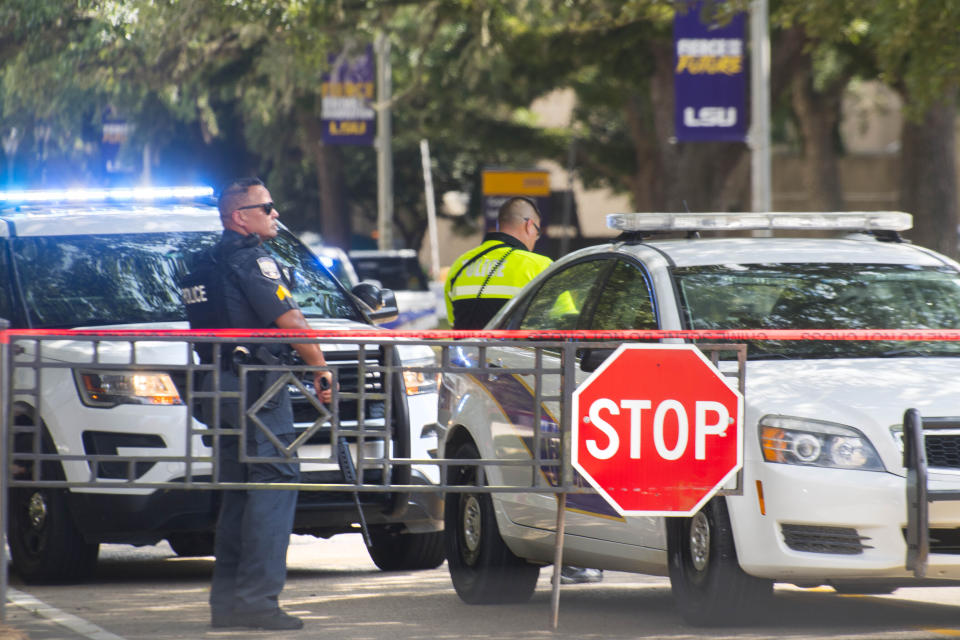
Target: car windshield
{"x":90,"y":280}
{"x":824,"y":296}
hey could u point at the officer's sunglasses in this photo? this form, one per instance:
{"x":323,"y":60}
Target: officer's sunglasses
{"x":266,"y":206}
{"x":535,"y":225}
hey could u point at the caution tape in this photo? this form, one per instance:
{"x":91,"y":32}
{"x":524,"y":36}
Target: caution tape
{"x":910,"y":335}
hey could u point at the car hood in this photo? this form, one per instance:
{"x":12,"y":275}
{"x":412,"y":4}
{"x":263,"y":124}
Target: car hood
{"x":174,"y":353}
{"x":868,"y":394}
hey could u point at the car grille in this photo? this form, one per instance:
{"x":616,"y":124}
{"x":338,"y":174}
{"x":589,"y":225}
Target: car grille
{"x":107,"y":443}
{"x":346,"y":366}
{"x":347,"y":372}
{"x":943,"y":451}
{"x":837,"y":540}
{"x":943,"y":540}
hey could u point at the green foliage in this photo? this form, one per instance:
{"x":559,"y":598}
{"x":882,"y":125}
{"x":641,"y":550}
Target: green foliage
{"x":912,"y":43}
{"x":234,"y":85}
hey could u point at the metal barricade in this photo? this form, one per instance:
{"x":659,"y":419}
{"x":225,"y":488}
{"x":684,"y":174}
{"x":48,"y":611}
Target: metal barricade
{"x":919,"y":494}
{"x":363,"y":443}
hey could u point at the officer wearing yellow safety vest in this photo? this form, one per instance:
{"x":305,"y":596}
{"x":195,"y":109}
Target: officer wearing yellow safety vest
{"x":484,"y":278}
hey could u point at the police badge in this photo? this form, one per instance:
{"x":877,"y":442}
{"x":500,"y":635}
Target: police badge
{"x":269,"y":268}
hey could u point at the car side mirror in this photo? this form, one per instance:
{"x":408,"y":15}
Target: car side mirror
{"x":380,"y":304}
{"x":591,"y":359}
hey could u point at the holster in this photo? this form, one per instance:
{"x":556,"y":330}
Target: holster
{"x":259,"y":381}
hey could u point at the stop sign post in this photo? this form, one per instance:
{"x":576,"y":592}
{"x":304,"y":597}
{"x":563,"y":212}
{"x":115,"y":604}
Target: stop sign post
{"x":657,"y":430}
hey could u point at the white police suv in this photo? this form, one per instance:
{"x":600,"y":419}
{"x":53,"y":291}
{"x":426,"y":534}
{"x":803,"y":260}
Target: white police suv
{"x":111,"y":260}
{"x":823,"y":482}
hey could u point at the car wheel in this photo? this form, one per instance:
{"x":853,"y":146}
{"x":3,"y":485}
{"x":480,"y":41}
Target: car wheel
{"x":397,"y":551}
{"x":192,"y":544}
{"x":45,"y":545}
{"x":708,"y":584}
{"x":482,"y":567}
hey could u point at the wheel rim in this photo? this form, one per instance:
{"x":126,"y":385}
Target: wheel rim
{"x":37,"y":511}
{"x":700,"y":541}
{"x":471,"y":524}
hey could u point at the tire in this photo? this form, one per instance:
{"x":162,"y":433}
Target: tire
{"x":45,"y":545}
{"x":708,"y":585}
{"x":482,"y":567}
{"x":395,"y":551}
{"x":192,"y":544}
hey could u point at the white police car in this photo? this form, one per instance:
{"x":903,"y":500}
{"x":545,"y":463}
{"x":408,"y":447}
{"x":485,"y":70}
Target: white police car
{"x":823,"y":484}
{"x":111,"y":260}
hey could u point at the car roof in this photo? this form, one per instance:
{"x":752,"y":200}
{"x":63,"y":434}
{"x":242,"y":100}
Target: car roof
{"x":857,"y":249}
{"x":88,"y":219}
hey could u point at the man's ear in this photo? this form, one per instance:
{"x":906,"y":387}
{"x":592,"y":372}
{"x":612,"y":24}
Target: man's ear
{"x":236,"y":219}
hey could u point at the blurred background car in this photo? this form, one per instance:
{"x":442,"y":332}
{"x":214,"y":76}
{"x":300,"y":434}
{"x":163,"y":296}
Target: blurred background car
{"x":418,"y":301}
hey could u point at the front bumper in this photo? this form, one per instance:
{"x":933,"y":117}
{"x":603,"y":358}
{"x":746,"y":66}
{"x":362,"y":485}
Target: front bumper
{"x":831,"y":524}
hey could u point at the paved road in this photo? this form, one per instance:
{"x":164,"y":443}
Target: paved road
{"x":150,"y":594}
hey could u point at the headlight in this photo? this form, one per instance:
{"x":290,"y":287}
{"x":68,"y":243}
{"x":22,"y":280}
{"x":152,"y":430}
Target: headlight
{"x":416,"y":381}
{"x":817,"y":444}
{"x":104,"y":389}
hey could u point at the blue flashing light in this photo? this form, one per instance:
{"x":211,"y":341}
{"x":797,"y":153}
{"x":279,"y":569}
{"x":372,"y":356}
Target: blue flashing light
{"x":327,"y":261}
{"x":98,"y":195}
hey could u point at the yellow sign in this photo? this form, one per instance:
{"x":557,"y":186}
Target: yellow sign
{"x":516,"y":183}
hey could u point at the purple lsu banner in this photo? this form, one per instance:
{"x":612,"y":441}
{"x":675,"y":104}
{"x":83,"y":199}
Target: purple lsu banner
{"x":347,"y":93}
{"x":710,"y":82}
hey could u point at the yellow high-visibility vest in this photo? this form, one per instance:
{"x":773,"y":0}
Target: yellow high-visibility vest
{"x":473,"y":294}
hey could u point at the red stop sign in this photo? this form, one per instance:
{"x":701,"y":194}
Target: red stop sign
{"x":657,"y":430}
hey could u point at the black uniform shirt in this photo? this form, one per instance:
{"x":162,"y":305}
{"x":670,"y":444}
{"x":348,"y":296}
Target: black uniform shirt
{"x":256,"y":292}
{"x":237,"y":285}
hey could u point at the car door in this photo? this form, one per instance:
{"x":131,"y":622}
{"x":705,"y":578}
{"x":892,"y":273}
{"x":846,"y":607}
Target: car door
{"x":562,"y":301}
{"x":625,"y":300}
{"x":608,"y":292}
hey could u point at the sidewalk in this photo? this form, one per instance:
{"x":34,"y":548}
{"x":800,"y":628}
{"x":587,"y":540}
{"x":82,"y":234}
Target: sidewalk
{"x":30,"y":619}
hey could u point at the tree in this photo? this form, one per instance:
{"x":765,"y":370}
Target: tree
{"x":914,"y":46}
{"x":235,"y":86}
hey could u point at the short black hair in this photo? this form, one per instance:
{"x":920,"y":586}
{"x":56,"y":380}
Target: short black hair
{"x":227,"y":201}
{"x":514,"y":210}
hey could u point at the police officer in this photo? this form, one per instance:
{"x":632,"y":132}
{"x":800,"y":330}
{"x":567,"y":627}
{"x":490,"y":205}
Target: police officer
{"x":237,"y":284}
{"x":482,"y":280}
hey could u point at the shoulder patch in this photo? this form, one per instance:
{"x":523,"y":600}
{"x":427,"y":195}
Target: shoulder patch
{"x":269,"y":268}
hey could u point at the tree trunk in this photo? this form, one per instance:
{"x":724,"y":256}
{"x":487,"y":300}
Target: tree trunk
{"x":928,"y":183}
{"x":334,"y":221}
{"x":705,"y":176}
{"x":817,"y":115}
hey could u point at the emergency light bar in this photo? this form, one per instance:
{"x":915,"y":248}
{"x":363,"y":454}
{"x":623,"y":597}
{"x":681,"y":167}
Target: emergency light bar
{"x":752,"y":221}
{"x":93,"y":195}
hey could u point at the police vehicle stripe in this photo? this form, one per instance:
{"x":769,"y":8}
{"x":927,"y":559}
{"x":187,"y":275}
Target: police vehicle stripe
{"x":515,"y":399}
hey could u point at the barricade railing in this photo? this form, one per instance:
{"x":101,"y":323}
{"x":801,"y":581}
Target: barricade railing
{"x":373,"y":372}
{"x":919,"y":493}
